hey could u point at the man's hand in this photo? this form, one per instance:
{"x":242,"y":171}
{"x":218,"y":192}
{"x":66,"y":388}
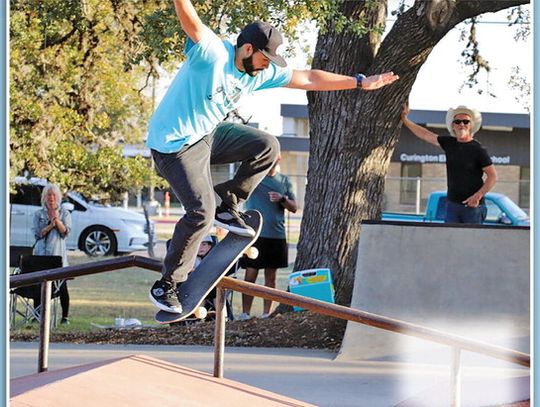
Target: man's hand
{"x":378,"y":81}
{"x":274,"y":196}
{"x":474,"y":200}
{"x":405,"y":111}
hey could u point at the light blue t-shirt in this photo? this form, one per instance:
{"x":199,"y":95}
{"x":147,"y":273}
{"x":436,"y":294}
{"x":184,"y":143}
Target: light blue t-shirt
{"x":273,"y":213}
{"x":207,"y":87}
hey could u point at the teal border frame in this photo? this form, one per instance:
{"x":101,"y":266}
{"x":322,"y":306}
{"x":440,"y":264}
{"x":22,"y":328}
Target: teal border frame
{"x":536,"y":208}
{"x":3,"y":172}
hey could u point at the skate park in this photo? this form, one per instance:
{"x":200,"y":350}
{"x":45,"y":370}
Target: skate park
{"x":439,"y":315}
{"x":400,"y":277}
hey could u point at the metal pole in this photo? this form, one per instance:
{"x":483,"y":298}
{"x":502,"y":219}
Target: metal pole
{"x":455,"y":378}
{"x":44,"y":327}
{"x":288,"y":226}
{"x":151,"y":194}
{"x":219,"y":333}
{"x":418,"y":185}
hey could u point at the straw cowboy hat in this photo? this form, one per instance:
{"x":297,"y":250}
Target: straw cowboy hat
{"x":476,"y":118}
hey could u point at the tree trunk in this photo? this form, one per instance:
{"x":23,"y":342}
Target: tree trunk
{"x":353,"y":133}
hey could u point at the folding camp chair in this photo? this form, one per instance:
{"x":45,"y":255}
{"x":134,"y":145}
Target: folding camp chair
{"x":26,"y":301}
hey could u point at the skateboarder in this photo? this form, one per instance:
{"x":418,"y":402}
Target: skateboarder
{"x":186,"y":133}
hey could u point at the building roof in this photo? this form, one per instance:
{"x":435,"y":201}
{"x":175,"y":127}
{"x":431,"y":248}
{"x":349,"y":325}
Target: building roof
{"x":434,"y":117}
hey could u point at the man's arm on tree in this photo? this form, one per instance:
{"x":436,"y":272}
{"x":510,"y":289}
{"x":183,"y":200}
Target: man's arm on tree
{"x":419,"y":131}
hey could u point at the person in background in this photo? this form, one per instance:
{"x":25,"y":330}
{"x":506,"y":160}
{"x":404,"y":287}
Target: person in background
{"x":208,"y":243}
{"x":466,"y":163}
{"x":52,"y":225}
{"x":272,"y":197}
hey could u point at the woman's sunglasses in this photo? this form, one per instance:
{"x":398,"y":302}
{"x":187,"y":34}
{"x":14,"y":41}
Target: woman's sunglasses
{"x":458,"y":121}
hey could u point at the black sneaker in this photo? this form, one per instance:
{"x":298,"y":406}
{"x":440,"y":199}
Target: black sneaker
{"x":230,"y":219}
{"x":163,"y":295}
{"x":64,"y":321}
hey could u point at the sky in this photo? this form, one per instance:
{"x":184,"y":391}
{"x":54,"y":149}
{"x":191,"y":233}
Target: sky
{"x":438,"y":84}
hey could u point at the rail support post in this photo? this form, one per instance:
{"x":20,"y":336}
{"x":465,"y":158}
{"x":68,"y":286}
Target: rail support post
{"x":219,"y":333}
{"x":455,"y":378}
{"x":44,"y":326}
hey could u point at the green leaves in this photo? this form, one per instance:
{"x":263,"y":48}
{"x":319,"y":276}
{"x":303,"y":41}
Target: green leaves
{"x":75,"y":93}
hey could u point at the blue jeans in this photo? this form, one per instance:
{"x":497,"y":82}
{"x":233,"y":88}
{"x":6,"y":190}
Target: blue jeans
{"x":459,"y":213}
{"x":189,"y":176}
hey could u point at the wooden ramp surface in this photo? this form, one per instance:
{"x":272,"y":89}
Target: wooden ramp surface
{"x":134,"y":381}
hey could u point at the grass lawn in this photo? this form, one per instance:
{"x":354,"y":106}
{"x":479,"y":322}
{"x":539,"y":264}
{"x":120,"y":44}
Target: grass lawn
{"x":100,"y":298}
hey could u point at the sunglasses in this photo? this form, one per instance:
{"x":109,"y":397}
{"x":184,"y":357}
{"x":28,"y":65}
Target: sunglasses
{"x":459,"y":121}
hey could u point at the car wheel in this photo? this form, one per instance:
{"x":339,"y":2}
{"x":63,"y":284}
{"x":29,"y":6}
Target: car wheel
{"x":98,"y":241}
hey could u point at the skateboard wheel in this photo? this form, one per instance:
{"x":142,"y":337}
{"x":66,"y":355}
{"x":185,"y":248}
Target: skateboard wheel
{"x":201,"y":313}
{"x":252,"y":252}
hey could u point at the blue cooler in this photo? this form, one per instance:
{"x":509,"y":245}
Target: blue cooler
{"x":314,"y":283}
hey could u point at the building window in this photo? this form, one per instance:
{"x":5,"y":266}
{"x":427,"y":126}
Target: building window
{"x":524,"y":186}
{"x":410,"y":172}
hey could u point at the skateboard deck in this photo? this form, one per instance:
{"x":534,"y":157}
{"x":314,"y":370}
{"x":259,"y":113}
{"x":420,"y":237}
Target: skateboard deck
{"x":206,"y":276}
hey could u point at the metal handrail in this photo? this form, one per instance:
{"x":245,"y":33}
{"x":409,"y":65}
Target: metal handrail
{"x":458,"y":343}
{"x":378,"y":321}
{"x":20,"y":280}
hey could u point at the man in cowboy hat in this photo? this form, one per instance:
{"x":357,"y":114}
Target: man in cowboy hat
{"x":466,"y":163}
{"x":186,"y":133}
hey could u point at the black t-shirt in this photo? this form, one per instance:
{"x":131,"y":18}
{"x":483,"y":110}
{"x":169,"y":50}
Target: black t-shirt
{"x":464,"y":163}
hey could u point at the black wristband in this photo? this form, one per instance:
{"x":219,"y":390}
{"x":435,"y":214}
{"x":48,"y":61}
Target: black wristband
{"x":359,"y":78}
{"x":283,"y":199}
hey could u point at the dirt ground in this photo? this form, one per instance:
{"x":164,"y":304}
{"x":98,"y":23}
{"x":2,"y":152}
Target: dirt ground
{"x":288,"y":330}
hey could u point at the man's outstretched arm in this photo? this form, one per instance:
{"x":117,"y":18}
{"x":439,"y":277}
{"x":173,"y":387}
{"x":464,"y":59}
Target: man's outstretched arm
{"x":189,"y":19}
{"x":316,"y":79}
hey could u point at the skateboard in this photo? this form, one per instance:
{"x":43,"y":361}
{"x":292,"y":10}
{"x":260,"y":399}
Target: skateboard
{"x":206,"y":276}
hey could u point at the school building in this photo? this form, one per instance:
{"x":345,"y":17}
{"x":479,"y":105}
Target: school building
{"x":418,"y":168}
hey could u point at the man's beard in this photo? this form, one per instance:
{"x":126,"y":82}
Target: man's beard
{"x":248,"y":66}
{"x":460,"y":133}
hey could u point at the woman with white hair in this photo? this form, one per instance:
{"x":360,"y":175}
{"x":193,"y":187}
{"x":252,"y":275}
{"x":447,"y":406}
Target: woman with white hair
{"x":52,"y":224}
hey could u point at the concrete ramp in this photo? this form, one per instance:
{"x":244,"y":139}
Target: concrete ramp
{"x":470,"y":281}
{"x":137,"y":381}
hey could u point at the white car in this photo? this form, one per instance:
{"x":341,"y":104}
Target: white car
{"x":96,"y":229}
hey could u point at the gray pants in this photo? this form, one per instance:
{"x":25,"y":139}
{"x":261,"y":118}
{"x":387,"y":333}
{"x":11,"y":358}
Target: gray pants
{"x":189,"y":176}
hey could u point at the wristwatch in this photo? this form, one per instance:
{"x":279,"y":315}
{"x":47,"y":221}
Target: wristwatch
{"x":283,"y":199}
{"x":359,"y":78}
